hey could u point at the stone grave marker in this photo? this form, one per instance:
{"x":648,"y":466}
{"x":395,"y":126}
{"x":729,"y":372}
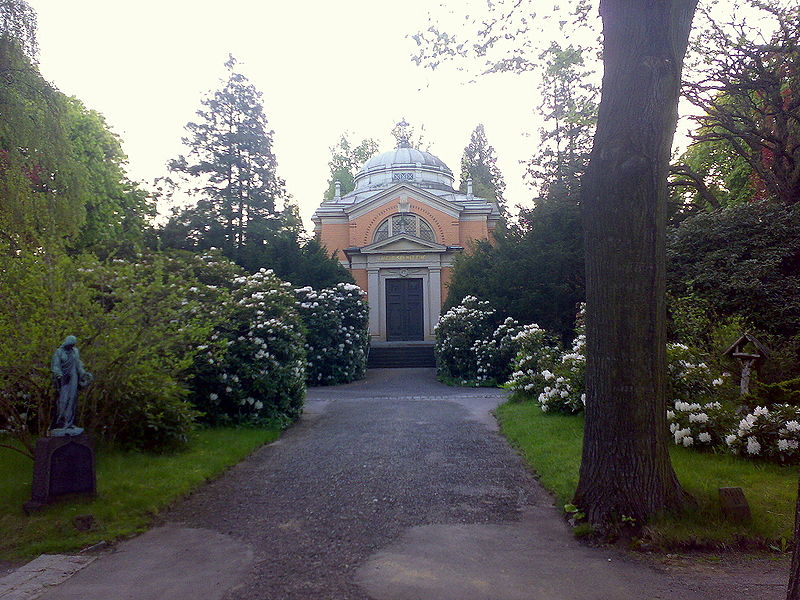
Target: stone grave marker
{"x":734,"y":504}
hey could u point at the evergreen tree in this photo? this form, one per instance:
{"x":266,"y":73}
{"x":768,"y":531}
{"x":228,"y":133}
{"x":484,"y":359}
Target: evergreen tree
{"x":230,"y":168}
{"x":479,"y":163}
{"x":569,"y":108}
{"x":345,"y":161}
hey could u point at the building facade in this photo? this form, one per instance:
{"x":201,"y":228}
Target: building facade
{"x":398,"y":232}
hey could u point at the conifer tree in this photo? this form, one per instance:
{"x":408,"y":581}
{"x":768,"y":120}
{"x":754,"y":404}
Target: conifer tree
{"x":569,"y":108}
{"x":479,"y":163}
{"x":230,"y":168}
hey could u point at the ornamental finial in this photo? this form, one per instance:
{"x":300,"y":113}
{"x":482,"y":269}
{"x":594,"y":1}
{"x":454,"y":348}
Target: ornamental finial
{"x":401,"y":133}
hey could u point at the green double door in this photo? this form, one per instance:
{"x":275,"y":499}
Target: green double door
{"x":404,"y":310}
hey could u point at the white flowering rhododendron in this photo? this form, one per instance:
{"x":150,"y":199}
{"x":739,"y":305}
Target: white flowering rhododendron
{"x":693,"y":379}
{"x":457,"y":331}
{"x":537,"y":350}
{"x":337,"y":339}
{"x":555,"y":379}
{"x":771,"y":433}
{"x":253,"y":367}
{"x":699,"y":425}
{"x":493,"y":356}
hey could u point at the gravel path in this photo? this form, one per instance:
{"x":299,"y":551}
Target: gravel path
{"x":394,"y":488}
{"x":368,"y":461}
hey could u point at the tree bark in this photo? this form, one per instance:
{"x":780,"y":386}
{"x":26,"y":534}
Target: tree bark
{"x":625,"y":469}
{"x":793,"y":592}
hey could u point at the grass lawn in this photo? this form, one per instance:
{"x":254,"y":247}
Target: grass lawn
{"x":551,"y":444}
{"x":132,"y":487}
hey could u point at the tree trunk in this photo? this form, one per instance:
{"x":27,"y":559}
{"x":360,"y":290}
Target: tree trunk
{"x":626,"y":469}
{"x":793,"y":593}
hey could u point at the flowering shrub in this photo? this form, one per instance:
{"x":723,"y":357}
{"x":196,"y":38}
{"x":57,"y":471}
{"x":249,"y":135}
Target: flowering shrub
{"x":556,"y":379}
{"x":565,"y":387}
{"x":138,"y":323}
{"x":773,"y":434}
{"x":494,"y":356}
{"x":692,"y":380}
{"x":703,"y":426}
{"x":537,"y":352}
{"x":337,"y":338}
{"x":252,"y":368}
{"x":456,"y":333}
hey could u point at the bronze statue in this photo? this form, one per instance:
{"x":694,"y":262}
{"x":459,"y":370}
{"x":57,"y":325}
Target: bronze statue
{"x":68,"y":376}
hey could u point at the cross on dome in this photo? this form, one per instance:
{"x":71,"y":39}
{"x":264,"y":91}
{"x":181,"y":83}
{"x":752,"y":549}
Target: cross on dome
{"x":402,"y":134}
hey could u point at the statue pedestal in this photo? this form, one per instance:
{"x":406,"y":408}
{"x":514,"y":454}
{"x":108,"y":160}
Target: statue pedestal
{"x":62,"y":466}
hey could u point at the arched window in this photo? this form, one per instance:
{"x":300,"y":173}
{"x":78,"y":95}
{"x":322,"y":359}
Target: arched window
{"x":404,"y":223}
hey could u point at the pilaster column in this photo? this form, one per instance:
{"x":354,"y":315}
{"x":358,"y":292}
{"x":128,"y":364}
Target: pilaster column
{"x":374,"y":299}
{"x":435,"y":295}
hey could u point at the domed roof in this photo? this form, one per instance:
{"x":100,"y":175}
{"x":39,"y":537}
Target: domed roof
{"x":404,"y":164}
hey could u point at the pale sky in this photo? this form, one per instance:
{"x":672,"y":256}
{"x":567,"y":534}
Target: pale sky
{"x":323,"y":67}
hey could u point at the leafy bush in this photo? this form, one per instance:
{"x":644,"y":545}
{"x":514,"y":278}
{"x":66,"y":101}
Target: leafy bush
{"x":694,"y":378}
{"x":533,"y":270}
{"x":773,"y":434}
{"x":138,"y":324}
{"x":537,"y":352}
{"x":693,"y":424}
{"x":337,"y":339}
{"x":494,"y":355}
{"x":742,"y":260}
{"x":252,"y":369}
{"x":456,"y":333}
{"x":781,"y":392}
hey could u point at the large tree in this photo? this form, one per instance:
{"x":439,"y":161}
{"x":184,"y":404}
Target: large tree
{"x":479,"y":163}
{"x":569,"y":108}
{"x":230,"y":169}
{"x":62,"y":170}
{"x":116,"y":209}
{"x":625,"y":468}
{"x":747,"y":87}
{"x":41,"y":186}
{"x":346,"y":159}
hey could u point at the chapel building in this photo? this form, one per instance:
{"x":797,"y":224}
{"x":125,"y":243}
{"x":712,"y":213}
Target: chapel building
{"x":398,"y":232}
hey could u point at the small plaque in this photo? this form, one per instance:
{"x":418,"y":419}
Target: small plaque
{"x":734,"y":504}
{"x":402,"y":176}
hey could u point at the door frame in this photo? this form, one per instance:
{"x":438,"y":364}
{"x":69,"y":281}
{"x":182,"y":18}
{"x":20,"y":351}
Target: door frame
{"x":421,"y":309}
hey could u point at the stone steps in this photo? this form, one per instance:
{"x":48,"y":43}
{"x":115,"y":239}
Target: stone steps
{"x":396,"y":357}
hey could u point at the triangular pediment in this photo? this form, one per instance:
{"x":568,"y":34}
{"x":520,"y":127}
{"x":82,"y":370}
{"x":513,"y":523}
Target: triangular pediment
{"x":391,"y":194}
{"x":403,"y":243}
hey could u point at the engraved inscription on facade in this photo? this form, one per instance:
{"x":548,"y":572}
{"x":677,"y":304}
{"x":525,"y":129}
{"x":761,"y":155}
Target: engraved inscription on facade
{"x":400,"y":257}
